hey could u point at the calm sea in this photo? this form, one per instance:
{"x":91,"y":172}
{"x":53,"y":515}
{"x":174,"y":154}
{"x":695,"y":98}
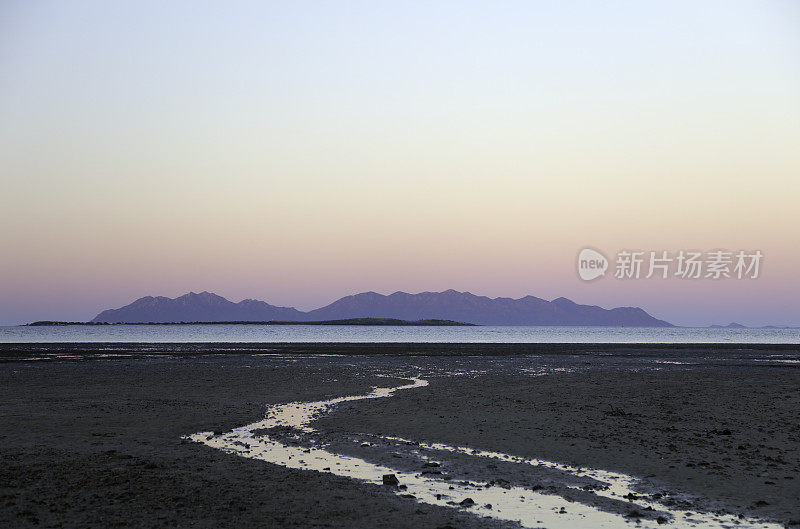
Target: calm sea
{"x":335,"y":333}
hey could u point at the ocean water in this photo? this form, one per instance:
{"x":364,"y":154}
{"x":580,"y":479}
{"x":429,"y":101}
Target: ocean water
{"x":349,"y":333}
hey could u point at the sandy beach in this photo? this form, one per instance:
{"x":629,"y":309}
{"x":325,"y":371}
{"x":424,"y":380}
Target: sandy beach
{"x":92,"y":438}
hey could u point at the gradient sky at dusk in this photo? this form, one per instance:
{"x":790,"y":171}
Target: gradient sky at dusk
{"x":300,"y":151}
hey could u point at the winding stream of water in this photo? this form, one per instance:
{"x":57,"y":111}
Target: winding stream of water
{"x":530,"y":508}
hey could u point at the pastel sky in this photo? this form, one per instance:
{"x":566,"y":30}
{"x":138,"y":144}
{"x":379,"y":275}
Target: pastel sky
{"x":300,"y":151}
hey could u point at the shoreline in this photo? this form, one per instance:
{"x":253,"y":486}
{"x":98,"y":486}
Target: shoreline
{"x":10,"y":349}
{"x":364,"y":322}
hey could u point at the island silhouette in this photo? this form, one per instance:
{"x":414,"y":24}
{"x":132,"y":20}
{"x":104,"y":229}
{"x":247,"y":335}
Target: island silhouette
{"x":448,"y":307}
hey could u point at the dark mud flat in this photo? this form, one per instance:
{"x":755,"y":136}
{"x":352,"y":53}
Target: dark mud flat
{"x":94,"y":441}
{"x":724,"y":430}
{"x":97,"y":444}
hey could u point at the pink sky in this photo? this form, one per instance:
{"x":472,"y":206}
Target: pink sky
{"x":297,"y":155}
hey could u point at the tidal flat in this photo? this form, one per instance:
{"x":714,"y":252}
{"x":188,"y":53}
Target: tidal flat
{"x":101,"y":435}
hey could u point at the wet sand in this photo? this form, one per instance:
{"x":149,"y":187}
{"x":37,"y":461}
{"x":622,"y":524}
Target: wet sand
{"x":96,"y":442}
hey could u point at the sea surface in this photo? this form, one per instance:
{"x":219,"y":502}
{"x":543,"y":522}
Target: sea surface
{"x":351,"y":333}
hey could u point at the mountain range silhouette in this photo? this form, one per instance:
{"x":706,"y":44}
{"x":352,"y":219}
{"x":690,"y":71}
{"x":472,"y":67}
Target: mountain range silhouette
{"x":448,"y":305}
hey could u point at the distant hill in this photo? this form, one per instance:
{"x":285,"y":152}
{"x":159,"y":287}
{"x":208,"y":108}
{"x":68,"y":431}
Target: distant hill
{"x":449,"y":305}
{"x":380,"y":321}
{"x":482,"y":310}
{"x":202,"y":307}
{"x":350,"y":321}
